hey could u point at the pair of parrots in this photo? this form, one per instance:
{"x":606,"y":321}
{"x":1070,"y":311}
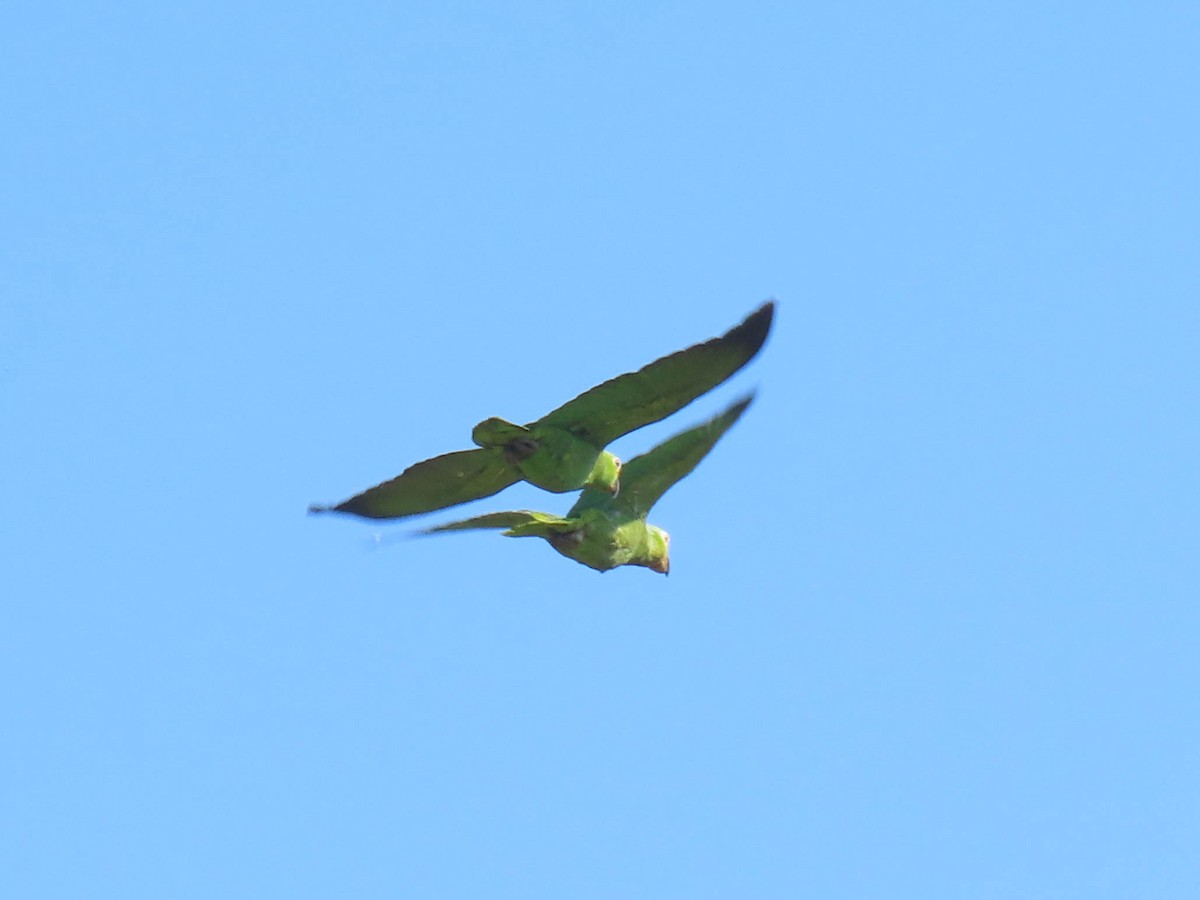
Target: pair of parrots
{"x":564,"y":451}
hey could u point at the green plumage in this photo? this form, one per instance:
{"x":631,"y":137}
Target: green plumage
{"x":605,"y":531}
{"x":564,"y":450}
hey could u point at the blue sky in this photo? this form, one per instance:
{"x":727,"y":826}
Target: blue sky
{"x":931,"y":629}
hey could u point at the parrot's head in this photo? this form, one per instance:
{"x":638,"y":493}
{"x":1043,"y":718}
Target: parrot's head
{"x":606,"y":474}
{"x":658,"y":545}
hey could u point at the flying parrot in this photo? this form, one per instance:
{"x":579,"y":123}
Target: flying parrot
{"x":564,"y":450}
{"x":603,"y":530}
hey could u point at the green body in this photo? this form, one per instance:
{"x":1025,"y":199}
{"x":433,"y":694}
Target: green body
{"x":602,"y":538}
{"x":603,"y":530}
{"x":551,"y":458}
{"x":565,"y":450}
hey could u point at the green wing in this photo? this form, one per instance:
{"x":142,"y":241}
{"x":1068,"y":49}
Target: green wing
{"x":436,"y":483}
{"x":520,"y":523}
{"x":627,"y":402}
{"x":647,"y":477}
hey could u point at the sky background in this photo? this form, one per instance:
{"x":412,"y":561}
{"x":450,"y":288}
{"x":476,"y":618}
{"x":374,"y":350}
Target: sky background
{"x":932,"y":626}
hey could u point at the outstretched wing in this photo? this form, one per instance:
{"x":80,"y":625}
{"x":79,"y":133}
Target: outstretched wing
{"x":627,"y":402}
{"x":647,"y":477}
{"x":521,"y":523}
{"x":436,"y":483}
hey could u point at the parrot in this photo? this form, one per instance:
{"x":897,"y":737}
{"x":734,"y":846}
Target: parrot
{"x":603,"y":530}
{"x":564,"y":450}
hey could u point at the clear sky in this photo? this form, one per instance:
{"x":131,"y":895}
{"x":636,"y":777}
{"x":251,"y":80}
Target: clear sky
{"x":932,"y":628}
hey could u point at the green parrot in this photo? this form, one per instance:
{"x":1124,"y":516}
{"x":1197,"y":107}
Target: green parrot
{"x":564,"y":450}
{"x":604,"y":531}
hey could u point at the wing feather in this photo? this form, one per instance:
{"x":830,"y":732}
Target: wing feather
{"x":645,"y":478}
{"x":437,"y":483}
{"x":628,"y":402}
{"x":526,"y":520}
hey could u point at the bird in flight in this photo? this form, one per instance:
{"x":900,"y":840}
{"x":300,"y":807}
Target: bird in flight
{"x":603,"y":530}
{"x":564,"y":450}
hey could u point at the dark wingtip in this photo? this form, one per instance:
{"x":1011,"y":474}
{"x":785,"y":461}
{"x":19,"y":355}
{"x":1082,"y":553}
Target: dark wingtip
{"x":754,"y":330}
{"x":357,"y":506}
{"x":735,"y":409}
{"x":319,"y":508}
